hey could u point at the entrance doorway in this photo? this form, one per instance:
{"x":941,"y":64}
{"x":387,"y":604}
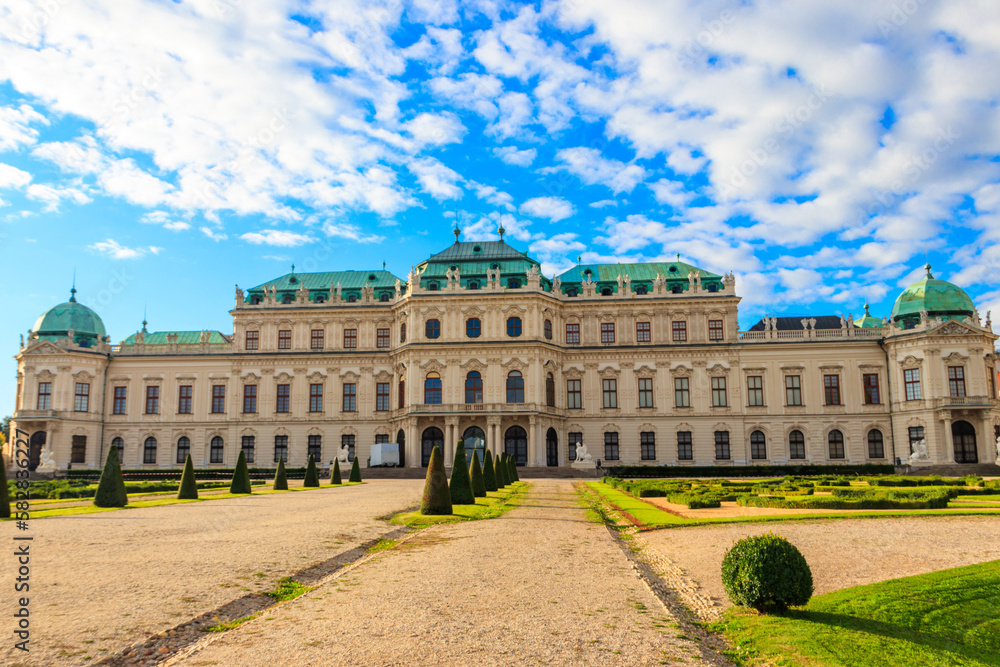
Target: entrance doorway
{"x":551,"y":447}
{"x":515,"y":443}
{"x":963,"y":434}
{"x":35,"y":449}
{"x":401,"y":441}
{"x":432,"y":437}
{"x":474,"y":440}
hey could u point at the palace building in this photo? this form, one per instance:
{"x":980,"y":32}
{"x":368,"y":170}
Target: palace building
{"x":644,"y":363}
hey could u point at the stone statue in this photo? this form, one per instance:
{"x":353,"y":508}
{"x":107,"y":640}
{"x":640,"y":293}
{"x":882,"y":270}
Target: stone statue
{"x":450,"y":275}
{"x":659,"y":282}
{"x":556,"y":285}
{"x":22,"y":341}
{"x":997,"y":461}
{"x":343,"y":453}
{"x":581,"y":453}
{"x":533,"y":273}
{"x":239,"y":296}
{"x":620,"y":281}
{"x":47,"y":463}
{"x":399,"y":288}
{"x":919,"y":452}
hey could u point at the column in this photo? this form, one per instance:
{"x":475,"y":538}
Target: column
{"x":412,"y":444}
{"x":532,"y":442}
{"x":949,"y":442}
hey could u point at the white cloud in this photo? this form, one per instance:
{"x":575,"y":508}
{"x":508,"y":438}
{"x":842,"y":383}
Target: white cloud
{"x":277,"y":237}
{"x":592,"y":168}
{"x":214,"y":235}
{"x":15,"y":126}
{"x":604,"y":203}
{"x":513,"y":155}
{"x":165,"y":220}
{"x":494,"y":196}
{"x":553,"y":208}
{"x":114,"y":250}
{"x":436,"y":179}
{"x":351,"y":232}
{"x":673,"y":193}
{"x":53,"y":196}
{"x":435,"y":129}
{"x":12,"y":177}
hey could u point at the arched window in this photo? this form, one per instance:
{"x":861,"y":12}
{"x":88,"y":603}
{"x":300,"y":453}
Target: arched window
{"x":513,"y":327}
{"x":513,"y":283}
{"x":216,"y":450}
{"x":320,"y":298}
{"x":676,"y":289}
{"x":384,"y":297}
{"x":515,"y":387}
{"x":547,"y":329}
{"x":431,"y":438}
{"x":836,"y":440}
{"x":288,"y":298}
{"x":796,"y":445}
{"x":473,"y":327}
{"x":474,"y":387}
{"x":473,"y":284}
{"x":120,"y":445}
{"x":433,"y":329}
{"x":640,"y":290}
{"x":550,"y":391}
{"x":432,"y":287}
{"x":149,"y":450}
{"x":432,"y":389}
{"x":183,"y":449}
{"x":401,"y":399}
{"x":876,"y":445}
{"x":352,"y":298}
{"x":516,"y":445}
{"x":605,"y":291}
{"x":571,"y":292}
{"x":402,"y":333}
{"x":758,"y":445}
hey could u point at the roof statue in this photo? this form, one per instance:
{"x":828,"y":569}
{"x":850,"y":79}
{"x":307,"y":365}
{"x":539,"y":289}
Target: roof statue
{"x":398,"y":287}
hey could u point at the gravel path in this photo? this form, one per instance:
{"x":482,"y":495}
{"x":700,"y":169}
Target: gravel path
{"x":841,"y":553}
{"x":102,"y":581}
{"x":540,"y":585}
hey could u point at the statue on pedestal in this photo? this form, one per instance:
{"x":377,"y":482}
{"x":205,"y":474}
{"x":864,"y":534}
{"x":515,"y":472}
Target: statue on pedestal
{"x":46,"y":462}
{"x":919,"y":452}
{"x":343,"y":453}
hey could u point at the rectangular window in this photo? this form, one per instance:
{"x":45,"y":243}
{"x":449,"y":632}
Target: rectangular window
{"x":316,"y":398}
{"x":253,"y":340}
{"x":120,"y":401}
{"x":916,"y":434}
{"x":722,"y":445}
{"x":350,"y":403}
{"x":218,"y":399}
{"x":574,"y":394}
{"x":350,"y":339}
{"x":991,"y":373}
{"x":870,"y":383}
{"x":685,"y":450}
{"x":572,"y":334}
{"x":831,"y":388}
{"x":44,"y":396}
{"x":755,"y":391}
{"x":642,"y":332}
{"x":347,"y":440}
{"x":81,"y":400}
{"x":796,"y":445}
{"x":715,"y":331}
{"x":217,"y":450}
{"x":285,"y":339}
{"x":382,"y":338}
{"x":956,"y":381}
{"x":680,"y":329}
{"x":250,"y":398}
{"x":573,"y":439}
{"x":793,"y":390}
{"x":682,"y":393}
{"x":281,"y":448}
{"x":184,"y":393}
{"x":607,"y":332}
{"x":247,"y":446}
{"x":911,"y":378}
{"x":719,"y":392}
{"x":284,"y":398}
{"x":611,"y":446}
{"x":78,"y":453}
{"x":645,"y":392}
{"x":401,"y":399}
{"x":381,"y":396}
{"x":152,"y":400}
{"x":381,"y":438}
{"x":315,"y":447}
{"x":610,"y":392}
{"x":316,"y":339}
{"x":647,"y":446}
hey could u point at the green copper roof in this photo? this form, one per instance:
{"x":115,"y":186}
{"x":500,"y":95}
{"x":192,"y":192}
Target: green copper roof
{"x":183,"y":338}
{"x":291,"y":282}
{"x":478,"y":251}
{"x":646,"y":271}
{"x":938,"y":297}
{"x":867,"y":321}
{"x":55,"y":323}
{"x":474,"y":258}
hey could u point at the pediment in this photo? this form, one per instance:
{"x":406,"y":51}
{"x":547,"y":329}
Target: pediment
{"x":44,"y":347}
{"x":954,"y":328}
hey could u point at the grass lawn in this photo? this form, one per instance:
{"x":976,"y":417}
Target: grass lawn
{"x":493,"y":505}
{"x":942,"y":618}
{"x":647,"y":516}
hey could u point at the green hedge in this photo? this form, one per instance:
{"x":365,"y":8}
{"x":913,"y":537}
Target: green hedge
{"x":66,"y":490}
{"x":748,"y":471}
{"x":931,"y":480}
{"x":163,"y":474}
{"x":873,"y":501}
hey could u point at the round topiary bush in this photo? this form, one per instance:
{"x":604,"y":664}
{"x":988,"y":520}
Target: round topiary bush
{"x":767,"y":573}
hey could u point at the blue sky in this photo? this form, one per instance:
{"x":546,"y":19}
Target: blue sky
{"x":166,"y":151}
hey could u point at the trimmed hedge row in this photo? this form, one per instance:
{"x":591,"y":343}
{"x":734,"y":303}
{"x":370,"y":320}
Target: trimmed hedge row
{"x":175,"y":473}
{"x":746,"y":471}
{"x":880,"y":501}
{"x":61,"y":490}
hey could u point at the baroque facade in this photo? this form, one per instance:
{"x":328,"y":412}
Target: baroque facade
{"x":642,"y":362}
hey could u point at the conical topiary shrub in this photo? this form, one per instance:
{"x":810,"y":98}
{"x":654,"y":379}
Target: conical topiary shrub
{"x":355,"y":472}
{"x":281,"y":477}
{"x":312,"y":474}
{"x":489,"y":476}
{"x":437,"y":497}
{"x":241,"y":476}
{"x":111,"y":488}
{"x":461,"y":485}
{"x":512,"y":464}
{"x":189,"y":486}
{"x":476,"y":475}
{"x":501,"y":470}
{"x":4,"y":491}
{"x":335,"y":475}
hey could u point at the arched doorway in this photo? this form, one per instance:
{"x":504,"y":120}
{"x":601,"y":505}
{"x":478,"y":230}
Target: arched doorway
{"x":515,"y":443}
{"x":551,"y":447}
{"x":474,"y":440}
{"x":963,"y":434}
{"x":432,"y":437}
{"x":35,"y":449}
{"x":401,"y":441}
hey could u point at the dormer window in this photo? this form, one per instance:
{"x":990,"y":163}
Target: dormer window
{"x":676,"y":289}
{"x":372,"y":278}
{"x":352,"y":298}
{"x":288,"y":298}
{"x":605,"y":291}
{"x":588,"y":272}
{"x":254,"y":300}
{"x":513,"y":283}
{"x":640,"y":290}
{"x":384,"y":297}
{"x":712,"y":287}
{"x":320,"y":298}
{"x":432,"y":287}
{"x":571,"y":292}
{"x":477,"y":249}
{"x":473,"y":284}
{"x":293,"y":280}
{"x":672,"y":269}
